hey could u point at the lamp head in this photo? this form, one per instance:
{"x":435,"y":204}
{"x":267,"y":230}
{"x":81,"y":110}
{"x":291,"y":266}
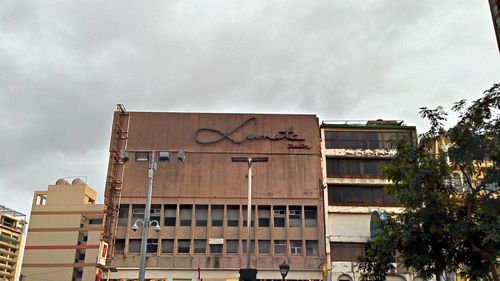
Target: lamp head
{"x":164,"y":156}
{"x":181,"y":155}
{"x":284,"y":268}
{"x":124,"y":155}
{"x":156,"y":225}
{"x":135,"y":227}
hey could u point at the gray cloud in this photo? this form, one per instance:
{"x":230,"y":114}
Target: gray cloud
{"x":64,"y":65}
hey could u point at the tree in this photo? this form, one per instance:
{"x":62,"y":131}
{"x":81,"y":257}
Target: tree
{"x":442,"y":227}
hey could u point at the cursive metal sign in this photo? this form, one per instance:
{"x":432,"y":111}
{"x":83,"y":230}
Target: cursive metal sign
{"x":286,"y":134}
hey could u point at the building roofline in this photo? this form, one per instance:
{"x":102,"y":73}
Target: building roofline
{"x":365,"y":124}
{"x":11,"y":212}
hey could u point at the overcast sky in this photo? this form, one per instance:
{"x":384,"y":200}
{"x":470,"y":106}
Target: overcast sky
{"x":64,"y":65}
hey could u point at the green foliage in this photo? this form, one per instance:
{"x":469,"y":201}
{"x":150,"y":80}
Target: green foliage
{"x":442,"y":228}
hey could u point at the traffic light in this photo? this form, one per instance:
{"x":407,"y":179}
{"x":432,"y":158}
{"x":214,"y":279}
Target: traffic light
{"x":248,"y":274}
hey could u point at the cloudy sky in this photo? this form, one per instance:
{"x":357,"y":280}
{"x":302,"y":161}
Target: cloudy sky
{"x":64,"y":65}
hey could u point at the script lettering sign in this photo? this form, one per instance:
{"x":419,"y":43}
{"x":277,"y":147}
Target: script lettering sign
{"x":218,"y":136}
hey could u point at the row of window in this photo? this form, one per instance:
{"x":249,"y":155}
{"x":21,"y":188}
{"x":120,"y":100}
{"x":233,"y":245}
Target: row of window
{"x":364,"y":140}
{"x":199,"y":246}
{"x":223,"y":215}
{"x":354,"y":168}
{"x":359,"y":195}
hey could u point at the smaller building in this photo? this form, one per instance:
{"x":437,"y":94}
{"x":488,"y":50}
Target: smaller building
{"x":11,"y":243}
{"x":354,"y":153}
{"x":64,"y":233}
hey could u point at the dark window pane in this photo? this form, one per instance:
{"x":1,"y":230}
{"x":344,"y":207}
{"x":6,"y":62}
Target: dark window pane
{"x":311,"y":216}
{"x":216,"y":249}
{"x":233,"y":214}
{"x":264,"y":216}
{"x":378,"y":195}
{"x":152,"y":246}
{"x":264,"y":246}
{"x":200,"y":246}
{"x":312,"y":248}
{"x":167,"y":246}
{"x":279,"y":216}
{"x":294,"y":216}
{"x":186,"y":212}
{"x":123,"y":215}
{"x":183,"y":246}
{"x":280,"y":246}
{"x":119,"y":246}
{"x":217,"y":215}
{"x":355,"y":168}
{"x":357,"y":195}
{"x":232,"y":246}
{"x":170,"y":215}
{"x":201,"y":214}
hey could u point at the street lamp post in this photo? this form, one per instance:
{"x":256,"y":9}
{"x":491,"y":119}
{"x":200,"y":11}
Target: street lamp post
{"x":249,"y":161}
{"x":146,"y":223}
{"x":284,"y":268}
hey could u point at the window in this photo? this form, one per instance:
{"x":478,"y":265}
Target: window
{"x":201,"y":214}
{"x":41,"y":199}
{"x":142,"y":156}
{"x":312,"y":248}
{"x":200,"y":246}
{"x":264,"y":216}
{"x":123,"y":215}
{"x":170,"y":215}
{"x":85,"y":238}
{"x":152,"y":246}
{"x":217,"y":215}
{"x":359,"y":195}
{"x":346,"y":251}
{"x":296,"y":247}
{"x":155,"y":213}
{"x":264,"y":246}
{"x":81,"y":257}
{"x":233,"y":213}
{"x":167,"y":246}
{"x":369,"y":168}
{"x":232,"y":246}
{"x":252,"y":216}
{"x":311,"y":216}
{"x":137,"y":213}
{"x":119,"y":246}
{"x":186,"y":212}
{"x":95,"y":221}
{"x":294,"y":216}
{"x":216,"y":249}
{"x":364,"y":140}
{"x":183,"y":246}
{"x":279,"y":216}
{"x":134,"y":245}
{"x":252,"y":246}
{"x":280,"y":246}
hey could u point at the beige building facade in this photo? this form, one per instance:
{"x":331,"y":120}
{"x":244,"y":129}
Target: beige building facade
{"x":12,"y":238}
{"x":63,"y":234}
{"x":353,"y":154}
{"x":200,"y":205}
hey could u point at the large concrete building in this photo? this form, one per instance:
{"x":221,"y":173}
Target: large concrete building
{"x":200,"y":204}
{"x":12,"y":237}
{"x":63,"y":234}
{"x":353,"y":153}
